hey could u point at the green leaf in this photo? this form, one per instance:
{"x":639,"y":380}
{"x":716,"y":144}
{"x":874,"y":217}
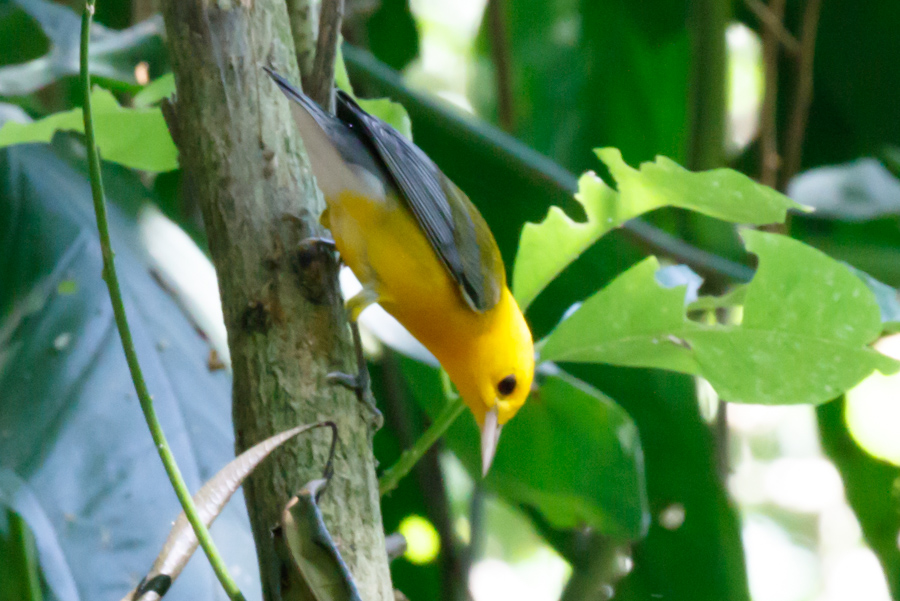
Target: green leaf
{"x":549,"y":247}
{"x":391,"y":33}
{"x":594,"y":475}
{"x":156,"y":90}
{"x":642,"y":325}
{"x":807,"y":321}
{"x":721,"y":193}
{"x":136,"y":138}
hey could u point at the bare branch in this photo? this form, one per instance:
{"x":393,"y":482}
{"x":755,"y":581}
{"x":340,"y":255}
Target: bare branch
{"x":287,"y":328}
{"x":321,"y":88}
{"x":772,"y":22}
{"x":796,"y":132}
{"x":304,"y":28}
{"x":768,"y":131}
{"x":496,"y":14}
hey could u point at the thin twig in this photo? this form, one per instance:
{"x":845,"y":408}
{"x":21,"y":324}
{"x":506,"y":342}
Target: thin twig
{"x":477,"y":529}
{"x":322,"y":82}
{"x":496,"y":14}
{"x":768,"y":132}
{"x":595,"y":575}
{"x":399,"y":412}
{"x":115,"y":293}
{"x":452,"y":409}
{"x":803,"y":91}
{"x":773,"y":23}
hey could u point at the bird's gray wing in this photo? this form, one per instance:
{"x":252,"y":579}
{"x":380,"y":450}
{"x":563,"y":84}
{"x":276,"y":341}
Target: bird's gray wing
{"x":452,"y":224}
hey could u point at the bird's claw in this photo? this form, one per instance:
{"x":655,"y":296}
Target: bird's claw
{"x":348,"y":381}
{"x":359,"y":384}
{"x":321,"y":243}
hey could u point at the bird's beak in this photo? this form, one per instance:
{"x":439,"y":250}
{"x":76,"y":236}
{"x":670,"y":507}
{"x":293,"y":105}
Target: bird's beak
{"x":490,"y":435}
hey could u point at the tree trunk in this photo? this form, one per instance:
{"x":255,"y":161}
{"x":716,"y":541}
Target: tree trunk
{"x":286,"y":326}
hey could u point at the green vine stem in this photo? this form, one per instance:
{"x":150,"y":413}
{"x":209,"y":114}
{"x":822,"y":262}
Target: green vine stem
{"x":115,"y":293}
{"x":452,"y":409}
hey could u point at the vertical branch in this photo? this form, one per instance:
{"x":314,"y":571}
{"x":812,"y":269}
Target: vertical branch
{"x":497,"y":21}
{"x":111,"y":277}
{"x":392,"y":476}
{"x":596,"y":574}
{"x":708,"y":104}
{"x":321,"y":86}
{"x":304,"y":27}
{"x":286,"y":323}
{"x":796,"y":128}
{"x":768,"y":133}
{"x":429,"y":476}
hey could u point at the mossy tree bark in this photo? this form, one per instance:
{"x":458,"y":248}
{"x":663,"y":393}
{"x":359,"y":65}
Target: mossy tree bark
{"x":286,"y":326}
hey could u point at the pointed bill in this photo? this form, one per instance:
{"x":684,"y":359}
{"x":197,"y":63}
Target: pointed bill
{"x":490,"y":435}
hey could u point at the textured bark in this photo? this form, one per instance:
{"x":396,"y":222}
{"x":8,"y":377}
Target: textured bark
{"x":304,"y":21}
{"x":286,"y":325}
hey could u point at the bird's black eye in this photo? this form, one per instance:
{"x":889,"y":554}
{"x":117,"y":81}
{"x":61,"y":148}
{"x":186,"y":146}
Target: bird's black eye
{"x":507,"y":385}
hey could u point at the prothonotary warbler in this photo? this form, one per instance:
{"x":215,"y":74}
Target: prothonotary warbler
{"x":422,"y":251}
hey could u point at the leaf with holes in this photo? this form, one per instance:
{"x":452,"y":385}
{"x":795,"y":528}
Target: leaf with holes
{"x":548,"y":247}
{"x":807,"y":323}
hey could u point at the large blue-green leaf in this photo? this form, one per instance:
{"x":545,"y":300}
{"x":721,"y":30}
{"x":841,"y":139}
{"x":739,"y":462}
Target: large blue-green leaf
{"x":571,"y":452}
{"x":858,"y":191}
{"x":807,"y":323}
{"x":72,"y":427}
{"x":16,"y":495}
{"x":113,"y":54}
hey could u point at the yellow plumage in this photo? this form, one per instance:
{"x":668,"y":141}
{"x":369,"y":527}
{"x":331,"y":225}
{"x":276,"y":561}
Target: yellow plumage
{"x":423,"y":252}
{"x":478,"y":350}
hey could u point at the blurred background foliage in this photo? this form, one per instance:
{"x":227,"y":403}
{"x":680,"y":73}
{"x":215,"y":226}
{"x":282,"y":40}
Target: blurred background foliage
{"x":744,"y":502}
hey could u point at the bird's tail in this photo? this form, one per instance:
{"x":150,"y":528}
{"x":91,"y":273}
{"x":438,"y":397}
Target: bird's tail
{"x":322,"y":117}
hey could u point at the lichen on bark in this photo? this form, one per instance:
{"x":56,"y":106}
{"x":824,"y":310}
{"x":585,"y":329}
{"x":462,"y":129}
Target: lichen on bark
{"x":286,"y":325}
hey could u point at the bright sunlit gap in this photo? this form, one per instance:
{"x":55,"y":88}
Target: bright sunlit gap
{"x":447,"y":35}
{"x":802,"y":541}
{"x":423,"y":543}
{"x":516,"y":563}
{"x":745,"y":86}
{"x":873,"y":409}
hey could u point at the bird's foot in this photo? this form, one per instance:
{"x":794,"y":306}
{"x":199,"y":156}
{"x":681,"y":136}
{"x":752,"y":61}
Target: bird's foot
{"x":359,"y":384}
{"x":320,"y":243}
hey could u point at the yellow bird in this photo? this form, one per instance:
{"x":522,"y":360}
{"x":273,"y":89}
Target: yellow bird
{"x":423,"y":252}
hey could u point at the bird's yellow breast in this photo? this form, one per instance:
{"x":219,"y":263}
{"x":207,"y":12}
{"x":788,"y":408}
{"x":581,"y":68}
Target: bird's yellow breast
{"x":382,"y":243}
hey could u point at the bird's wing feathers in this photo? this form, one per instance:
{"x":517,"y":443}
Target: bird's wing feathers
{"x":333,"y":149}
{"x":453,"y":226}
{"x":451,"y":223}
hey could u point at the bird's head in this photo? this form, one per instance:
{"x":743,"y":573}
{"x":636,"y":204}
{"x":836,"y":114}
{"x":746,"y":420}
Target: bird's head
{"x":495,"y":372}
